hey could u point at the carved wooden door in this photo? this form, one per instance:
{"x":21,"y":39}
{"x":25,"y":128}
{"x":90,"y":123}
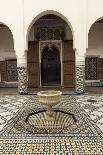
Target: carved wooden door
{"x":33,"y":64}
{"x":68,"y":64}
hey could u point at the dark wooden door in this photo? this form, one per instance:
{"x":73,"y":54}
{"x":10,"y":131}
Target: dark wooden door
{"x":33,"y":64}
{"x":50,"y":67}
{"x":100,"y":68}
{"x":68,"y":64}
{"x":3,"y":71}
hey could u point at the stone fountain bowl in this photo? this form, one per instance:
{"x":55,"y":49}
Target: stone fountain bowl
{"x":49,"y":98}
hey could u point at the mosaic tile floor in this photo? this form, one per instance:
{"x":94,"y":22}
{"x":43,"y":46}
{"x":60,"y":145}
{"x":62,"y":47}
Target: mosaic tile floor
{"x":65,"y":124}
{"x":53,"y":146}
{"x":93,"y":106}
{"x":84,"y":137}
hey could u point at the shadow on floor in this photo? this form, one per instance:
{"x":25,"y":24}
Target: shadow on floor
{"x":14,"y":91}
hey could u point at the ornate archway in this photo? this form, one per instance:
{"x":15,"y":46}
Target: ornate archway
{"x":50,"y":31}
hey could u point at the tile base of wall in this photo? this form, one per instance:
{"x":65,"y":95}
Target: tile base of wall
{"x":22,"y":80}
{"x":80,"y":78}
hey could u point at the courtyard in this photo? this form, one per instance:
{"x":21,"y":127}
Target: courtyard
{"x":82,"y":135}
{"x":51,"y":45}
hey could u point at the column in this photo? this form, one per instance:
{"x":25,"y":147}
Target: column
{"x":22,"y":74}
{"x":80,"y":73}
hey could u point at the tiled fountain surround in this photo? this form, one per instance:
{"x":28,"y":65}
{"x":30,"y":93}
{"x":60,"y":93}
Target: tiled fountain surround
{"x":67,"y":145}
{"x":91,"y":104}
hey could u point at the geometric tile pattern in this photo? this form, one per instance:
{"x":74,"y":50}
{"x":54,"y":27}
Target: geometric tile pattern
{"x":80,"y":78}
{"x":53,"y":146}
{"x":22,"y":80}
{"x":65,"y":124}
{"x":9,"y":105}
{"x":40,"y":121}
{"x":67,"y":144}
{"x":93,"y":106}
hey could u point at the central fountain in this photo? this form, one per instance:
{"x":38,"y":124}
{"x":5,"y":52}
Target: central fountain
{"x":49,"y":115}
{"x":48,"y":99}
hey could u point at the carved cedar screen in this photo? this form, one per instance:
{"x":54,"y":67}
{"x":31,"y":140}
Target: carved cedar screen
{"x":11,"y":66}
{"x":68,"y":64}
{"x":8,"y":69}
{"x":33,"y":64}
{"x":94,"y":68}
{"x":91,"y":68}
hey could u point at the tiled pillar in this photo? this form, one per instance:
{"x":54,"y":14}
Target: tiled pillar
{"x":80,"y":74}
{"x":22,"y":80}
{"x":22,"y":75}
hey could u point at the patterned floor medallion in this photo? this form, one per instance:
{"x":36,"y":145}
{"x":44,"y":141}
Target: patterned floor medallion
{"x":70,"y":119}
{"x":76,"y":130}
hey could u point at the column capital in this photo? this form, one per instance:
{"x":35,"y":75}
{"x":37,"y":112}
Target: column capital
{"x":80,"y":59}
{"x":22,"y":61}
{"x":2,"y":59}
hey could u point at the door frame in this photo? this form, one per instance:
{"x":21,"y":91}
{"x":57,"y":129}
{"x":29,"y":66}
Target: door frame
{"x":58,"y":45}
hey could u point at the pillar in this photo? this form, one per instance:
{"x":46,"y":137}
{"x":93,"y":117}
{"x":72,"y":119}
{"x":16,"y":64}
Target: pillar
{"x":80,"y":73}
{"x":22,"y":74}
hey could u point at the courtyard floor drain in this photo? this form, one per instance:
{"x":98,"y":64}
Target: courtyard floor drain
{"x":90,"y":100}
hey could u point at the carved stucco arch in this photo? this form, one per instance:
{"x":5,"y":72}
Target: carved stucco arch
{"x":44,"y":44}
{"x":54,"y":13}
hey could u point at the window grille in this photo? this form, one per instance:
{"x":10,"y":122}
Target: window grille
{"x":91,"y":68}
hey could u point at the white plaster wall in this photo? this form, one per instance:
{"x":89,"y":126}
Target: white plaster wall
{"x":94,"y":12}
{"x":80,"y":14}
{"x":74,"y":11}
{"x":11,"y":14}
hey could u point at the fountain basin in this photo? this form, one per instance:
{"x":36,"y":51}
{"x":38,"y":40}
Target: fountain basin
{"x":49,"y":99}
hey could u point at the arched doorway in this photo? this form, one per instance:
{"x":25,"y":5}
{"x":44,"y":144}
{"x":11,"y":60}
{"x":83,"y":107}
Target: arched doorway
{"x":50,"y":67}
{"x":50,"y":30}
